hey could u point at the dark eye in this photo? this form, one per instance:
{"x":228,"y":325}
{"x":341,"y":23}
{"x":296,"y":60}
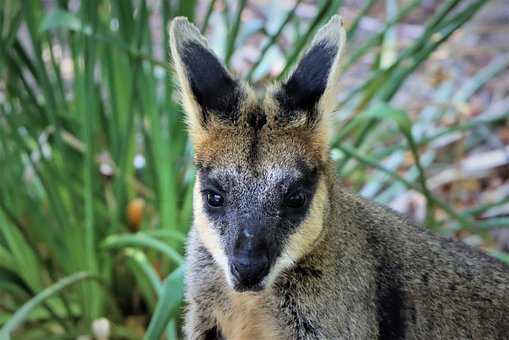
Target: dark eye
{"x":295,"y":200}
{"x":214,"y":199}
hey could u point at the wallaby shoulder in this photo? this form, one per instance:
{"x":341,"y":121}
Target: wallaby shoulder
{"x":425,"y":285}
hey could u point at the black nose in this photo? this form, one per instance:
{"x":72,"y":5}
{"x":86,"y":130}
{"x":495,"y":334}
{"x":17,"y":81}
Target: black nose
{"x":250,"y":258}
{"x":249,"y":272}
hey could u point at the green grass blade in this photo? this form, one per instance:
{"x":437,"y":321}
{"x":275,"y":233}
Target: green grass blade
{"x":26,"y":261}
{"x":142,"y":261}
{"x":168,"y":234}
{"x":169,"y":300}
{"x":377,"y":39}
{"x":232,"y":34}
{"x":206,"y":20}
{"x":22,"y":313}
{"x":141,"y":240}
{"x":272,"y":39}
{"x":352,"y":31}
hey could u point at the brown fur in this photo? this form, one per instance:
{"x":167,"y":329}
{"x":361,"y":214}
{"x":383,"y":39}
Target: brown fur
{"x":247,"y":318}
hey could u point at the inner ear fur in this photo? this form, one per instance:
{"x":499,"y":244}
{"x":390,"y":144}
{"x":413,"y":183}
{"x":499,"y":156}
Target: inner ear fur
{"x":309,"y":93}
{"x":209,"y":92}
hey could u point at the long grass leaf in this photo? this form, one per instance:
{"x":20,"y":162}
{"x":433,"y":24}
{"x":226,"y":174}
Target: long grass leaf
{"x":272,"y":39}
{"x":141,"y":240}
{"x":169,"y":300}
{"x":206,"y":20}
{"x":22,"y":313}
{"x":231,"y":38}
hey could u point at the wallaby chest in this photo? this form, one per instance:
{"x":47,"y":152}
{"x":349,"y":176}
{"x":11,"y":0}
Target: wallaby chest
{"x":246,"y":316}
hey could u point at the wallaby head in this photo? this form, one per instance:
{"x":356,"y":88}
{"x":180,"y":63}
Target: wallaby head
{"x":260,"y":193}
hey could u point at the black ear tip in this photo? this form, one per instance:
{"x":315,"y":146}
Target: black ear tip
{"x":308,"y":83}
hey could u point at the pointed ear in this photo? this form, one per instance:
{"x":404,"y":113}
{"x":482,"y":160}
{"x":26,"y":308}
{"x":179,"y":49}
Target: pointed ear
{"x":208,"y":90}
{"x":312,"y":86}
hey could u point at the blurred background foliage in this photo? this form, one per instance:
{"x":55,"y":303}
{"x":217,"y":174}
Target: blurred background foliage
{"x":96,"y":167}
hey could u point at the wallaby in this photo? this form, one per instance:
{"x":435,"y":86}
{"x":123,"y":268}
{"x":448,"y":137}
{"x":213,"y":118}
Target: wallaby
{"x":280,"y":250}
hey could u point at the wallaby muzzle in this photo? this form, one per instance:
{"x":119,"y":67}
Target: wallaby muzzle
{"x":250,"y":259}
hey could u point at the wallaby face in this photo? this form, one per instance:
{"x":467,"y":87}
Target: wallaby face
{"x":260,"y":193}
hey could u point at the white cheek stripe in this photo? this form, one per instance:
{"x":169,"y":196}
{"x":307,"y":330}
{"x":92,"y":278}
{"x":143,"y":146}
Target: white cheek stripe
{"x":208,"y":235}
{"x":283,"y":262}
{"x":303,"y":240}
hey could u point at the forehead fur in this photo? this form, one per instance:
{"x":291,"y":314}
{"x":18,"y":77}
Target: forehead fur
{"x":231,"y":127}
{"x":258,"y":140}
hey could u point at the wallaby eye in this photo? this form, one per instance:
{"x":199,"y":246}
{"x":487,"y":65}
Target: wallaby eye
{"x":295,"y":200}
{"x":214,"y":199}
